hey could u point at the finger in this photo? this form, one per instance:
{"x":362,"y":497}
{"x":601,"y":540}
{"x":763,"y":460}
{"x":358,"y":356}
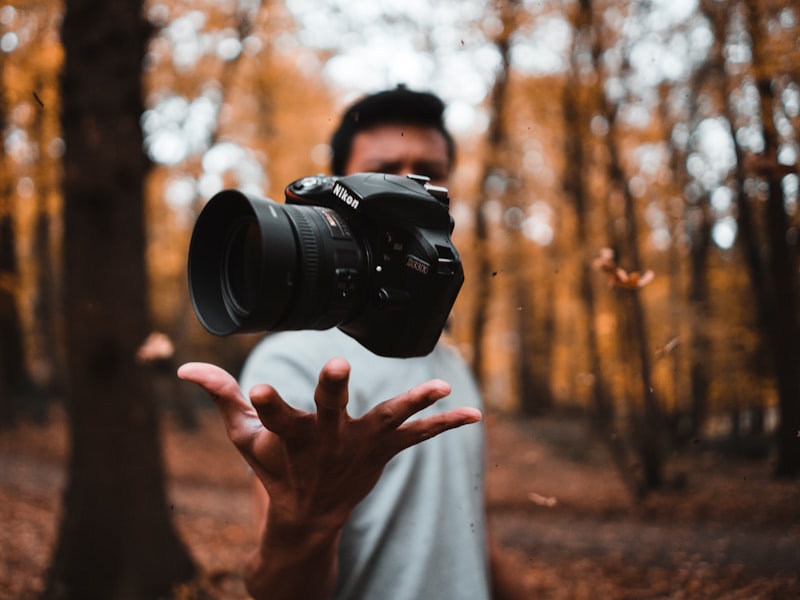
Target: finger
{"x":220,"y":384}
{"x":414,"y":432}
{"x":240,"y":419}
{"x":393,"y":413}
{"x":331,"y":394}
{"x":274,"y":413}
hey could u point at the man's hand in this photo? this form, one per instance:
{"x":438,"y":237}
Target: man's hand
{"x":316,"y":467}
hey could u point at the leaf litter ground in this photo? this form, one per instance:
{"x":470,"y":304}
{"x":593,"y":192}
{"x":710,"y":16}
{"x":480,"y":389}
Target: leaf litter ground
{"x":721,"y":528}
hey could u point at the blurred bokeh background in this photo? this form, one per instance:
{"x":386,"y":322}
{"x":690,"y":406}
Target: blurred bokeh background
{"x":625,"y":198}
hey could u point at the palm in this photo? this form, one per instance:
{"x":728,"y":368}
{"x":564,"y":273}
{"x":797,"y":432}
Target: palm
{"x":320,"y":465}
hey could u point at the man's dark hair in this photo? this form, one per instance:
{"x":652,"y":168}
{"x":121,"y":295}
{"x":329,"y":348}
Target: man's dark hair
{"x":398,"y":106}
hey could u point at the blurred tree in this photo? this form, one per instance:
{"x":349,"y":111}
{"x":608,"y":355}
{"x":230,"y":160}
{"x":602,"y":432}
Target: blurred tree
{"x":529,"y":311}
{"x":46,"y":329}
{"x":696,"y":220}
{"x":12,"y":367}
{"x":11,"y":364}
{"x":30,"y":114}
{"x":624,"y":226}
{"x":781,"y":283}
{"x":648,"y":424}
{"x":580,"y":103}
{"x":116,"y":539}
{"x":493,"y":176}
{"x":528,"y":256}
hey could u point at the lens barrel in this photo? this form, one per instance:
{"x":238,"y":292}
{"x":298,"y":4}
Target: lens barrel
{"x":256,"y":265}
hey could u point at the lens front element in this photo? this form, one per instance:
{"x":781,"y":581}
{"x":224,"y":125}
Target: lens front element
{"x":241,"y":268}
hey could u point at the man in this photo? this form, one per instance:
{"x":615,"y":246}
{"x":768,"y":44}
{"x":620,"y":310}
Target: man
{"x":360,"y":497}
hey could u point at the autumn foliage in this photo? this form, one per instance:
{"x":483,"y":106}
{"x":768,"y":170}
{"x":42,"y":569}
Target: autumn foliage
{"x":626,"y":213}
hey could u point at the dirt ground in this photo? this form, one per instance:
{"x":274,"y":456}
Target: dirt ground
{"x":723,"y":529}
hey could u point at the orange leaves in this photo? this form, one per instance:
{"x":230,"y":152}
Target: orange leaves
{"x":618,"y":277}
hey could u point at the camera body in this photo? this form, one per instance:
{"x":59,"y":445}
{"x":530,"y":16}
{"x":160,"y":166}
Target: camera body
{"x":369,"y":253}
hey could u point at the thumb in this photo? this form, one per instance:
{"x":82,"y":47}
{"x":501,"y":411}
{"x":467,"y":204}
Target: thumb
{"x":213,"y":379}
{"x":239,"y":416}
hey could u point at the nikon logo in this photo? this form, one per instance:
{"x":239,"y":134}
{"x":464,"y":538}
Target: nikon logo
{"x":345,"y":196}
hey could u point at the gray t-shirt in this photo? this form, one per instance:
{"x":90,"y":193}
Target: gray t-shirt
{"x":420,"y":533}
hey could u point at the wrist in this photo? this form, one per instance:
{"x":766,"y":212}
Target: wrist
{"x":313,"y":534}
{"x":293,"y":557}
{"x":295,"y":519}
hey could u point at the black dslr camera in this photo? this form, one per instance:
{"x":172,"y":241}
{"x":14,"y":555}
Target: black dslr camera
{"x":369,"y":253}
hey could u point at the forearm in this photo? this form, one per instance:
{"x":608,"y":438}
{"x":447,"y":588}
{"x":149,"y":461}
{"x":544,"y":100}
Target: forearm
{"x":293,"y":563}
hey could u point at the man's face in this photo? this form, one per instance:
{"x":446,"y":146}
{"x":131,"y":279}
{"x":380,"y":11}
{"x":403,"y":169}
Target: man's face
{"x":400,"y":150}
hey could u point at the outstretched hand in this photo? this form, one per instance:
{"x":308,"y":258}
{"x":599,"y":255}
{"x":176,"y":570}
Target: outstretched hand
{"x":317,"y":466}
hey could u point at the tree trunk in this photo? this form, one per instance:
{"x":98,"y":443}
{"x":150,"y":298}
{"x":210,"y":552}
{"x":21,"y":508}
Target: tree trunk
{"x":534,"y":361}
{"x":577,"y":114}
{"x":45,"y":313}
{"x":12,"y":366}
{"x":497,"y":141}
{"x":749,"y":241}
{"x":116,"y":539}
{"x":47,"y":368}
{"x":576,"y":189}
{"x":783,"y":328}
{"x":634,"y":342}
{"x":482,"y":287}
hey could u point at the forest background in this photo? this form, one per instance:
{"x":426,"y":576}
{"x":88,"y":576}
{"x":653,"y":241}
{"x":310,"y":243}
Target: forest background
{"x":625,"y":202}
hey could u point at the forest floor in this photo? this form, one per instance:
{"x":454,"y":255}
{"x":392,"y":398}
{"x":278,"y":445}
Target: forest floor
{"x":722,"y":529}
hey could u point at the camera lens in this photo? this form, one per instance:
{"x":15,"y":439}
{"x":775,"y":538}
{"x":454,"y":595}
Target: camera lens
{"x":255,"y":265}
{"x":241,"y":267}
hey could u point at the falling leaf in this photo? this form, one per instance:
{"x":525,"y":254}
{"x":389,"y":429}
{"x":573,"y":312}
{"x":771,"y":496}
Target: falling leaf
{"x":668,"y":347}
{"x":547,"y":501}
{"x":618,"y":277}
